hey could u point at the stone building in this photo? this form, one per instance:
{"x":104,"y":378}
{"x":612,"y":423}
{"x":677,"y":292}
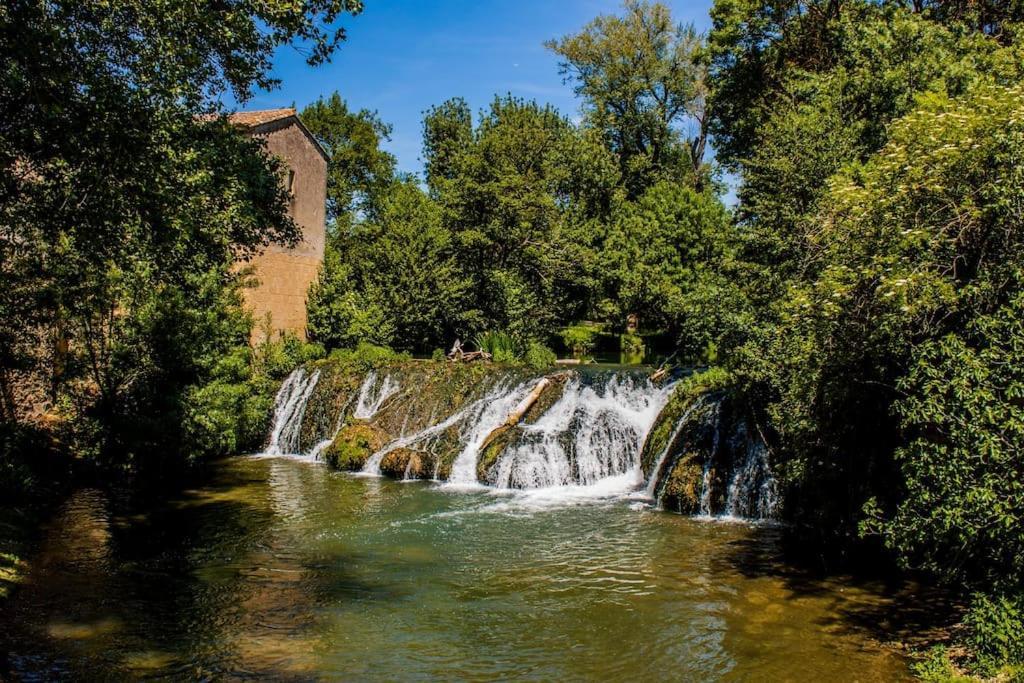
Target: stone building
{"x":284,"y":275}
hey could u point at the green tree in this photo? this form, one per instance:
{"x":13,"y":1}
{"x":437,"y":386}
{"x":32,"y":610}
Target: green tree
{"x":393,"y":280}
{"x":447,"y":133}
{"x":927,"y":248}
{"x":517,"y":195}
{"x":125,"y":203}
{"x":840,"y":120}
{"x":360,"y":173}
{"x":665,"y":259}
{"x":643,"y":79}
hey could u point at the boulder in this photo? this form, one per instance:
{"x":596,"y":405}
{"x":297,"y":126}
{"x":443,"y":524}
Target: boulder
{"x":354,"y":444}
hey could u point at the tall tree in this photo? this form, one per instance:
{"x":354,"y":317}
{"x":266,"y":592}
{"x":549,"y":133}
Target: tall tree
{"x":125,"y":203}
{"x":644,"y":83}
{"x":360,"y":172}
{"x":393,"y":279}
{"x":511,"y":190}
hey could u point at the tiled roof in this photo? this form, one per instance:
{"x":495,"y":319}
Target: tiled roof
{"x":258,"y":118}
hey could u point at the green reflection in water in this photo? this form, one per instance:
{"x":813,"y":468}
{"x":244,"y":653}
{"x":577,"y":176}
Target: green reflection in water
{"x":280,"y":568}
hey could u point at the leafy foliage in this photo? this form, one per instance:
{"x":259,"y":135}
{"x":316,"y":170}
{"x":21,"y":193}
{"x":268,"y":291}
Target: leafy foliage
{"x":125,"y":200}
{"x":502,"y":347}
{"x":360,"y":173}
{"x":879,"y":147}
{"x":643,"y":81}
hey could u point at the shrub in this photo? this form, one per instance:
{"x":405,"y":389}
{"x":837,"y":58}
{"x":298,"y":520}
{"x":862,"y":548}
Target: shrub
{"x":996,"y":626}
{"x":632,"y":344}
{"x":538,"y":356}
{"x":231,"y":413}
{"x":936,"y":667}
{"x":438,"y":355}
{"x":500,"y":345}
{"x":367,"y":356}
{"x":580,"y":339}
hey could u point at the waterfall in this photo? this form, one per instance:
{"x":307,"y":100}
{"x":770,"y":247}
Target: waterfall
{"x":372,"y":395}
{"x":289,"y":409}
{"x":592,"y":433}
{"x":573,"y":434}
{"x":489,"y":418}
{"x":705,"y":476}
{"x":752,"y":492}
{"x":476,"y":420}
{"x":652,"y":481}
{"x":735,"y":478}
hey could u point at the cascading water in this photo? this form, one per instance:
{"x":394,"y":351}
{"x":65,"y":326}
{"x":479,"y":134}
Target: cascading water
{"x":752,"y":489}
{"x":705,"y":476}
{"x":584,"y":438}
{"x":475,"y":421}
{"x":593,"y":432}
{"x":713,"y":466}
{"x":289,"y":409}
{"x":372,"y":395}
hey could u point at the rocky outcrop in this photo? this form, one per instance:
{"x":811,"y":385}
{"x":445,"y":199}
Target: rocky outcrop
{"x":704,"y":457}
{"x":354,"y":445}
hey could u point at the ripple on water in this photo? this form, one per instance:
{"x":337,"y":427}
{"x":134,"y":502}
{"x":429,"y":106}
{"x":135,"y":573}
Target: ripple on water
{"x":285,"y":571}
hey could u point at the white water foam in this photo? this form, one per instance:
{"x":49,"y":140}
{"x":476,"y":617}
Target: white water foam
{"x":491,"y":409}
{"x":373,"y":394}
{"x":585,"y":448}
{"x":289,"y":409}
{"x":590,"y":437}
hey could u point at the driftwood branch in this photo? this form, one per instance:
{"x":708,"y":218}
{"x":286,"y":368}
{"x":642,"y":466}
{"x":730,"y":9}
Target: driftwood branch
{"x":520,"y":410}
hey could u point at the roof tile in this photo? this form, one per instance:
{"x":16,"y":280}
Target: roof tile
{"x":259,"y":117}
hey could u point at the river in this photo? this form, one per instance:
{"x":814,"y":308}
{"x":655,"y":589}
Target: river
{"x":279,"y":568}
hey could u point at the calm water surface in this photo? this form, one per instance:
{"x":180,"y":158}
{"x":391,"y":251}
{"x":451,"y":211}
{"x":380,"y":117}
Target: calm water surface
{"x":281,"y":569}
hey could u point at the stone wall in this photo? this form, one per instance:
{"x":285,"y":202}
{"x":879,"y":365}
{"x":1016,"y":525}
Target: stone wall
{"x":284,"y":275}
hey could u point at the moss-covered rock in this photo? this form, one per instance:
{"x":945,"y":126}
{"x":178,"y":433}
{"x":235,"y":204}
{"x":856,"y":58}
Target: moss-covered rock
{"x":492,"y":453}
{"x":354,"y":444}
{"x":683,"y":484}
{"x":684,"y":395}
{"x":407,"y":463}
{"x":445,"y":448}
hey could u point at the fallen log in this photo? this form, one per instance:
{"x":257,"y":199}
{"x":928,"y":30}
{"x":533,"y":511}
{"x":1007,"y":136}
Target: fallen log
{"x":520,"y":410}
{"x":469,"y":356}
{"x":660,"y":374}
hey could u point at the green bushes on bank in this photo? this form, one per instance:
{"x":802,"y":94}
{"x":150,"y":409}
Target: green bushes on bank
{"x":231,"y":413}
{"x":994,"y":643}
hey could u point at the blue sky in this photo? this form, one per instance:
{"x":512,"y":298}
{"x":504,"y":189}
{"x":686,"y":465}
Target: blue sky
{"x":402,"y":56}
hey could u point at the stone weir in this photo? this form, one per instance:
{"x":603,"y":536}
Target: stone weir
{"x":483,"y":424}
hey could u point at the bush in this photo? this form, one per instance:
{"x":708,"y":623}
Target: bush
{"x":936,"y":667}
{"x":996,"y":626}
{"x":538,"y":356}
{"x":276,"y":358}
{"x":580,"y":339}
{"x":632,"y":344}
{"x":438,"y":355}
{"x":367,"y":356}
{"x":500,"y":345}
{"x":231,"y":413}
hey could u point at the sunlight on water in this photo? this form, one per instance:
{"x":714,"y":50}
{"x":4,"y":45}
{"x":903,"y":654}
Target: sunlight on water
{"x":282,"y":569}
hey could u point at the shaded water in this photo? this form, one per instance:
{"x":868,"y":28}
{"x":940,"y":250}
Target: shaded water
{"x":280,"y":568}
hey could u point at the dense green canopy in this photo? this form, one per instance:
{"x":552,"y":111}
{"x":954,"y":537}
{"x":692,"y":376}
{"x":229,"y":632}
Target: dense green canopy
{"x":124,"y":202}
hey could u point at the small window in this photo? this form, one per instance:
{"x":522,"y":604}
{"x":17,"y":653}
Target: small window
{"x":291,"y":182}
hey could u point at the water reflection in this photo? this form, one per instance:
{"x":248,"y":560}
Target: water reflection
{"x":281,"y":569}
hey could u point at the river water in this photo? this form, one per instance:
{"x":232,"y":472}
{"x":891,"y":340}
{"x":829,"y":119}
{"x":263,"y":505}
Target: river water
{"x":279,"y":568}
